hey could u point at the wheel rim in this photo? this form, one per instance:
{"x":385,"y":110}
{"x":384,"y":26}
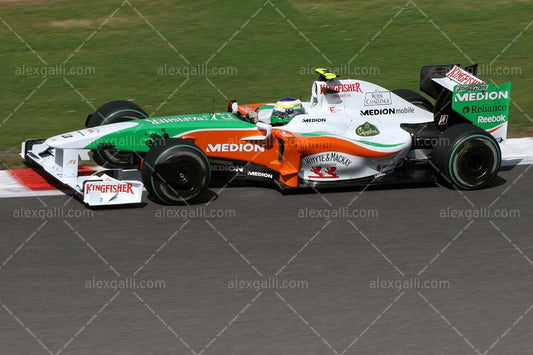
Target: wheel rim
{"x":474,"y":162}
{"x":179,"y":178}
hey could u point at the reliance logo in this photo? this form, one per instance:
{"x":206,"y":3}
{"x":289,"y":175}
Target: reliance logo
{"x":232,"y":147}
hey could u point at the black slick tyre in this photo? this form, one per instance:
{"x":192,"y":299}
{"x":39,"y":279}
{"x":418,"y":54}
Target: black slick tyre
{"x":114,"y":112}
{"x":467,"y":156}
{"x":175,"y":172}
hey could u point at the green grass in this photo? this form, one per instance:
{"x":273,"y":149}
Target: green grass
{"x":268,"y":56}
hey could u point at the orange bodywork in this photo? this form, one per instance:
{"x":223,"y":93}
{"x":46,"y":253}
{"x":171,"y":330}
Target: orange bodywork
{"x":244,"y":109}
{"x":495,"y":129}
{"x":230,"y":144}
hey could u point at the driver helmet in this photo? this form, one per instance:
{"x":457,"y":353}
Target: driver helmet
{"x":285,"y":109}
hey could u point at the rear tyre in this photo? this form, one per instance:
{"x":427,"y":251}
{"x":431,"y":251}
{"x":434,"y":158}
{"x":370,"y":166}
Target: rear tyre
{"x":113,"y":112}
{"x":467,"y":156}
{"x":175,"y":172}
{"x":414,"y":98}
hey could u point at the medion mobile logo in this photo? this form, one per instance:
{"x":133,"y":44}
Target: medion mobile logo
{"x":479,"y":96}
{"x":232,"y":147}
{"x":387,"y":111}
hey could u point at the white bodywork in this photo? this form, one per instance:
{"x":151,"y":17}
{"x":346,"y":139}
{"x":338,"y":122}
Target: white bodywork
{"x":340,"y":114}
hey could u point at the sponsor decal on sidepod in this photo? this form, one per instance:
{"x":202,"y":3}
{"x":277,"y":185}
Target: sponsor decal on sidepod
{"x":328,"y":158}
{"x":232,"y":147}
{"x":366,"y":130}
{"x":324,"y":172}
{"x":260,"y":174}
{"x":227,"y":168}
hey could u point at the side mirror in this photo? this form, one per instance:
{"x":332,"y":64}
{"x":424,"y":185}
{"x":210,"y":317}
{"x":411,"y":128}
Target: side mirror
{"x":231,"y":103}
{"x":263,"y":127}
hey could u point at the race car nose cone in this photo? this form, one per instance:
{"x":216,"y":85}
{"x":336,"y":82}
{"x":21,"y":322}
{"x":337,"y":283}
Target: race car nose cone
{"x":82,"y":138}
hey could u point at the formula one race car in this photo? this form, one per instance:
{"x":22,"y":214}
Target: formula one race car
{"x":351,"y":132}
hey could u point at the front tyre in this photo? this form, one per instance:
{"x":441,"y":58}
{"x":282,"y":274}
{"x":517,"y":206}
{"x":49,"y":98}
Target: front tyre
{"x":467,"y":156}
{"x":113,"y":112}
{"x":176,"y":171}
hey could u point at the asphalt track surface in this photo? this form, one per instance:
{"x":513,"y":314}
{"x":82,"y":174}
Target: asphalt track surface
{"x":57,"y":293}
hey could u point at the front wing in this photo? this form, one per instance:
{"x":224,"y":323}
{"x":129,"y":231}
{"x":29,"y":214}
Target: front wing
{"x":104,"y":188}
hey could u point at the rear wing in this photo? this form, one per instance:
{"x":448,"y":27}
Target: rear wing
{"x":439,"y":72}
{"x":483,"y":104}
